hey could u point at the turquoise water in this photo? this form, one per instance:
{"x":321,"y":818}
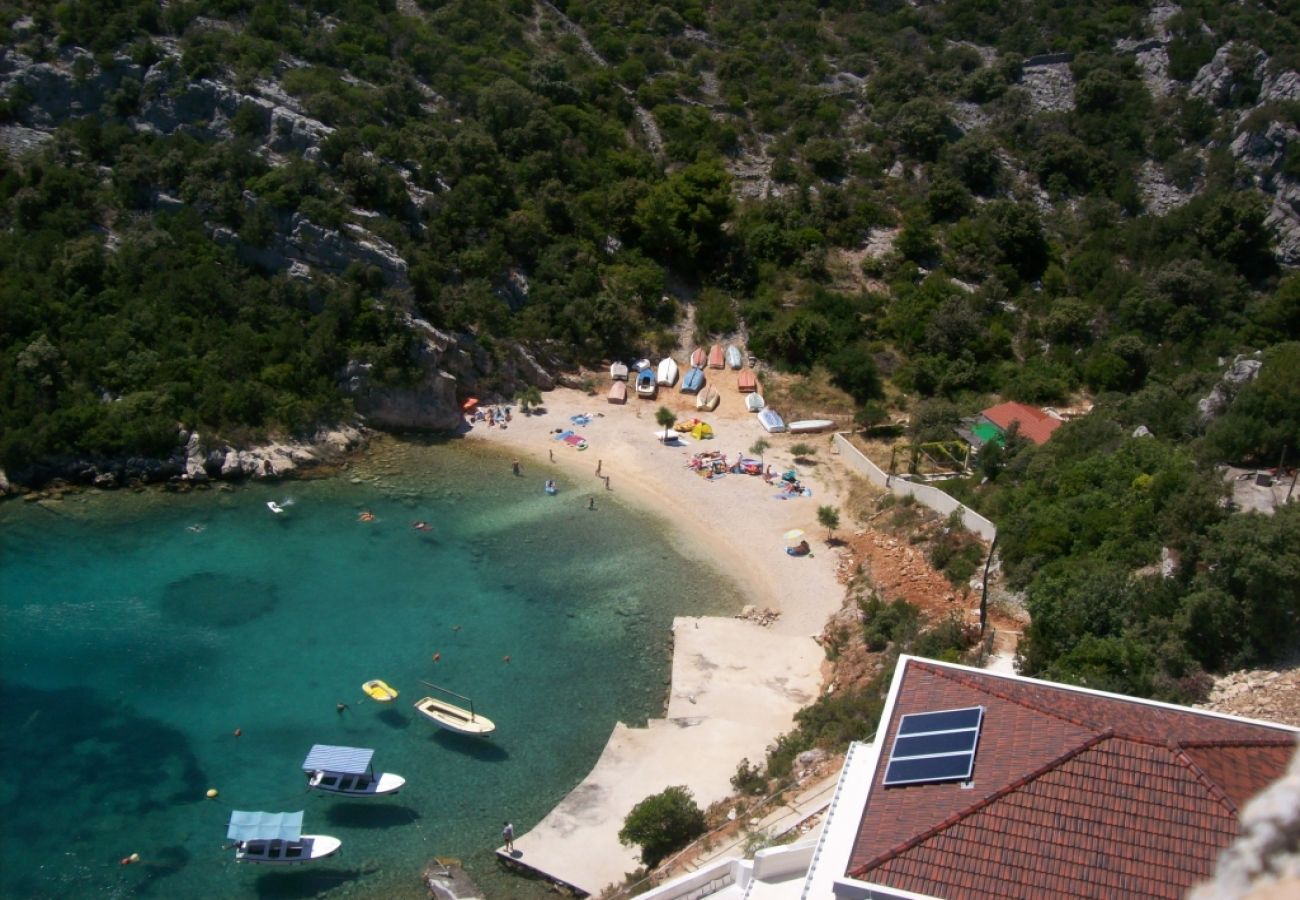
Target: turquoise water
{"x":132,"y":648}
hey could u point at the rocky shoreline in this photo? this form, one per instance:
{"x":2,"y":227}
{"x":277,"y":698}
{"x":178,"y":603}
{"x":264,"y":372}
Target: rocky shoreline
{"x":194,"y":462}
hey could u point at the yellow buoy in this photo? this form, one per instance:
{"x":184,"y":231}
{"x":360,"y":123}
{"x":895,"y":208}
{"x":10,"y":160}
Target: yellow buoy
{"x":212,"y":793}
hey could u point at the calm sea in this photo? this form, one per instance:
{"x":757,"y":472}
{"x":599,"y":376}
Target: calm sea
{"x":139,"y":631}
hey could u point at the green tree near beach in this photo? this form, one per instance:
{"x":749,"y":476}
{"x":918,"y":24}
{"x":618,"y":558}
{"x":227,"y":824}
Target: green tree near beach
{"x":663,"y":823}
{"x":758,"y":448}
{"x":666,"y":419}
{"x":829,"y":518}
{"x":529,"y":397}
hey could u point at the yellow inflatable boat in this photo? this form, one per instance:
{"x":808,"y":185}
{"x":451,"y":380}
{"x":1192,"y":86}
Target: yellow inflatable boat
{"x":379,"y":691}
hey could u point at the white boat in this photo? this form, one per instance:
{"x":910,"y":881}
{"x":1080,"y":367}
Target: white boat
{"x":274,"y":507}
{"x":733,"y":357}
{"x":771,"y":421}
{"x":754,"y":402}
{"x":618,"y":371}
{"x":807,"y":426}
{"x":448,"y":715}
{"x":645,"y":383}
{"x":667,"y":373}
{"x":276,"y":839}
{"x":347,"y":770}
{"x":708,"y":398}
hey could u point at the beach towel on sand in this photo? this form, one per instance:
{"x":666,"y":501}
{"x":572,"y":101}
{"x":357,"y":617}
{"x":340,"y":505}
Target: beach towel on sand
{"x":563,"y":435}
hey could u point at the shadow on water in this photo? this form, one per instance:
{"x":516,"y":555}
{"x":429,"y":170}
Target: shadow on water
{"x":476,"y":747}
{"x":304,"y":882}
{"x":394,"y":719}
{"x":365,"y":815}
{"x":86,"y":753}
{"x":218,"y":600}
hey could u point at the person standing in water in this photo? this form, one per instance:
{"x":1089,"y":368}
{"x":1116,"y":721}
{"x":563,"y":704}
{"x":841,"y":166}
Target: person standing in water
{"x":514,"y":467}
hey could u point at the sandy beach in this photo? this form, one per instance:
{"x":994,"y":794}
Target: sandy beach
{"x":736,"y":684}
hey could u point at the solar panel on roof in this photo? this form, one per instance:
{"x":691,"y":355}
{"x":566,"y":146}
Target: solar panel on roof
{"x":936,"y":746}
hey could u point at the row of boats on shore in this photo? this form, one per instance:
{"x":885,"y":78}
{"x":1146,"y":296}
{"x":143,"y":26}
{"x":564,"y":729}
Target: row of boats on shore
{"x":276,"y":838}
{"x":649,"y":378}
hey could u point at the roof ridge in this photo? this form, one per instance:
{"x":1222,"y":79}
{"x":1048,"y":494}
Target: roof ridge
{"x":974,"y":683}
{"x":1211,"y":786}
{"x":1003,"y":791}
{"x":1280,"y":741}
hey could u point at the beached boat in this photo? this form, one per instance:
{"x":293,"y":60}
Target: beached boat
{"x":771,"y":421}
{"x":448,"y":715}
{"x":640,"y":364}
{"x":618,"y":371}
{"x":667,"y":372}
{"x":693,"y":381}
{"x":379,"y":691}
{"x":754,"y":402}
{"x":347,"y":770}
{"x":699,"y":358}
{"x":618,"y":392}
{"x":716,"y":358}
{"x":708,"y":398}
{"x":747,"y":381}
{"x":808,"y":426}
{"x":276,"y":839}
{"x":645,"y":384}
{"x":733,"y":357}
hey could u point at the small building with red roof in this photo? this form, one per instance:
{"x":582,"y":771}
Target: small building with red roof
{"x":1035,"y":424}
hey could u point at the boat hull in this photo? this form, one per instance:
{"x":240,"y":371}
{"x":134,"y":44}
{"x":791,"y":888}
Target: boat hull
{"x":308,"y":848}
{"x":693,"y":381}
{"x":746,"y":382}
{"x":733,"y":357}
{"x":809,"y":426}
{"x":454,"y":718}
{"x":618,"y":371}
{"x":772,"y":423}
{"x":708,"y":399}
{"x":618,"y":392}
{"x":716,"y":358}
{"x":666,"y":374}
{"x":356,"y":785}
{"x":754,"y":402}
{"x":699,"y":358}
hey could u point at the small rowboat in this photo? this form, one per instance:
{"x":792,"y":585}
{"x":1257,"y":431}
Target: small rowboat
{"x":667,"y":372}
{"x":693,"y":381}
{"x":699,"y":358}
{"x":733,"y":357}
{"x":448,"y":715}
{"x":754,"y":402}
{"x":379,"y":691}
{"x":716,"y":357}
{"x":747,"y":381}
{"x":708,"y":398}
{"x":808,"y":426}
{"x":618,"y":392}
{"x":618,"y":371}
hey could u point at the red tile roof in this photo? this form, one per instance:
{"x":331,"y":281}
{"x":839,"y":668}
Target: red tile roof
{"x":1035,"y":424}
{"x":1075,"y":794}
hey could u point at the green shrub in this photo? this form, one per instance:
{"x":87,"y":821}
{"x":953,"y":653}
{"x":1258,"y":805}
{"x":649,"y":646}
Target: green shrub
{"x":662,"y":823}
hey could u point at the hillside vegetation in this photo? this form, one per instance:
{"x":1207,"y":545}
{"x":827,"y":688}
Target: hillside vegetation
{"x":215,"y":209}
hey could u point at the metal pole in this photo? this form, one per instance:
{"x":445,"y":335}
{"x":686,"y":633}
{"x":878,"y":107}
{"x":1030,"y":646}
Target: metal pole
{"x":984,"y":595}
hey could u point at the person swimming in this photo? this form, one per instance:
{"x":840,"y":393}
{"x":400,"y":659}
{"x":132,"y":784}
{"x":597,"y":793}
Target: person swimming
{"x":421,"y":526}
{"x":366,"y":516}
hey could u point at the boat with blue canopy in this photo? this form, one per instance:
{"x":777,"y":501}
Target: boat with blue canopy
{"x":347,"y":770}
{"x":276,"y":839}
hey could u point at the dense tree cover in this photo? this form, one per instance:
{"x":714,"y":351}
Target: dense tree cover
{"x":492,"y":141}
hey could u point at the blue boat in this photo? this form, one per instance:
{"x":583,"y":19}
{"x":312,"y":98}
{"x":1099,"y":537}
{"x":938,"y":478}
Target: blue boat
{"x":645,"y":383}
{"x":693,"y":381}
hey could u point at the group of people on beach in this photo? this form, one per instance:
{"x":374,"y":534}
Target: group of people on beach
{"x":493,"y":415}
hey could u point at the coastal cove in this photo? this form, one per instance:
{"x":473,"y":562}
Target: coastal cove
{"x":141,"y":630}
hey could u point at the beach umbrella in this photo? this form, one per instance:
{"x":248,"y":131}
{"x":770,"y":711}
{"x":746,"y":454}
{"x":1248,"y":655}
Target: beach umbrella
{"x":793,"y":534}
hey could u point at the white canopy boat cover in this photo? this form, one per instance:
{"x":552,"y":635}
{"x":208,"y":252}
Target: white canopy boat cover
{"x":264,"y":826}
{"x":341,"y":760}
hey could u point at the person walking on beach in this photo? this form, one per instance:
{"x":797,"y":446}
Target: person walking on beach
{"x":607,"y":487}
{"x":591,"y":503}
{"x":552,"y":452}
{"x":599,"y":463}
{"x":508,"y":835}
